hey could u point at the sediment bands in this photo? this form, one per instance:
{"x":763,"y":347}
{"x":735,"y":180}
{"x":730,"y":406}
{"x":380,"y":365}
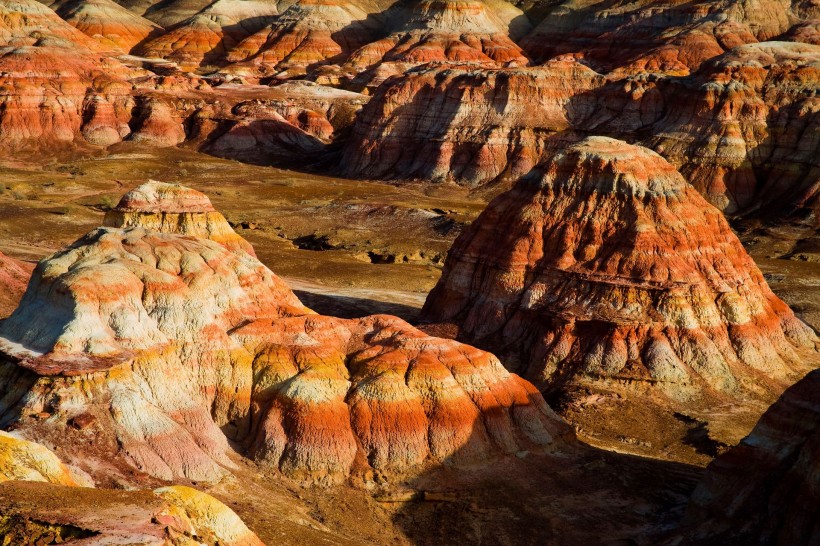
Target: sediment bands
{"x":604,"y":266}
{"x":187,"y":341}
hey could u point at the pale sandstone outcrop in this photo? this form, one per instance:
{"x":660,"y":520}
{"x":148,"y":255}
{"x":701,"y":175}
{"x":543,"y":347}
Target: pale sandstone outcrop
{"x":605,"y":267}
{"x":187,"y":341}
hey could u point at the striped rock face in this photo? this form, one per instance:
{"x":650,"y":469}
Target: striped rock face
{"x":55,"y":88}
{"x":14,"y":276}
{"x":207,"y":36}
{"x":187,"y":341}
{"x":664,"y":36}
{"x":467,"y":125}
{"x":113,"y":26}
{"x":38,"y":513}
{"x":308,"y":33}
{"x":171,"y":208}
{"x":606,"y":268}
{"x":766,"y":489}
{"x":442,"y":31}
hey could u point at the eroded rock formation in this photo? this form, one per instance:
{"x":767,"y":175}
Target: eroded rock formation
{"x":188,"y":340}
{"x":661,"y":37}
{"x":766,"y":489}
{"x":468,"y":125}
{"x":110,"y":24}
{"x":742,"y":129}
{"x":604,"y":267}
{"x":450,"y":31}
{"x":14,"y":276}
{"x":305,"y":35}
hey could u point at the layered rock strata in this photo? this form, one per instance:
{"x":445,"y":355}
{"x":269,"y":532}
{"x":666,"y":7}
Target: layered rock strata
{"x":171,"y":208}
{"x":467,"y":125}
{"x":604,"y":267}
{"x":305,"y":35}
{"x":766,"y":490}
{"x":188,"y":340}
{"x":437,"y":31}
{"x":742,"y":129}
{"x":660,"y":37}
{"x":206,"y":37}
{"x":110,"y":24}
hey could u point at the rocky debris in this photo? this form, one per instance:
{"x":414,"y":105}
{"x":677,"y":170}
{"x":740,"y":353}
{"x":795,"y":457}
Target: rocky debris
{"x":766,"y":489}
{"x":113,"y":26}
{"x":36,"y":513}
{"x":171,"y":208}
{"x":467,"y":125}
{"x":642,"y":36}
{"x":14,"y":276}
{"x":605,"y":268}
{"x":188,"y":341}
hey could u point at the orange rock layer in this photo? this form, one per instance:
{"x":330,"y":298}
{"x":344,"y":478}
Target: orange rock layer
{"x":189,"y":340}
{"x":603,"y":267}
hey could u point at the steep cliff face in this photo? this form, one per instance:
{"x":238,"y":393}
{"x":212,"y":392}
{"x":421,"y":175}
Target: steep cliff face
{"x":187,"y":340}
{"x":604,"y":267}
{"x":766,"y":490}
{"x":661,"y":37}
{"x":14,"y":276}
{"x":468,"y":125}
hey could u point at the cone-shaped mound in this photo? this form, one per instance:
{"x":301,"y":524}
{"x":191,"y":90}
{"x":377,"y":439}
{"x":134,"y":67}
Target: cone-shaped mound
{"x":171,"y":208}
{"x":766,"y":489}
{"x":188,"y":341}
{"x":605,"y":267}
